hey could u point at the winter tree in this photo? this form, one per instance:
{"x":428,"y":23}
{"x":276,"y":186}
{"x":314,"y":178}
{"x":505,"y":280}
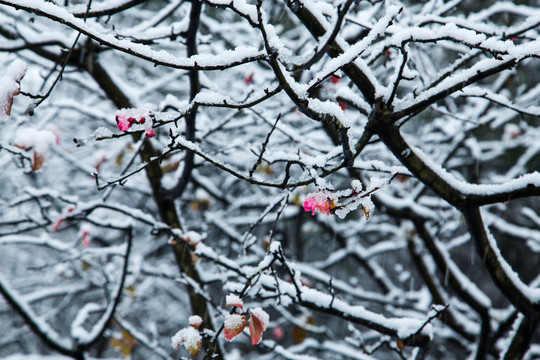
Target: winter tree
{"x":253,"y":179}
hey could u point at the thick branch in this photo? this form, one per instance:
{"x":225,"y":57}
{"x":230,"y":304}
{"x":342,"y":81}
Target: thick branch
{"x":195,"y":87}
{"x":444,"y":91}
{"x":465,"y":288}
{"x":165,"y":202}
{"x":522,"y":338}
{"x":456,"y":192}
{"x":525,"y":299}
{"x":390,"y":135}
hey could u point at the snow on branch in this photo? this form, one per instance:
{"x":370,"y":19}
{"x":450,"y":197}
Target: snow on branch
{"x":357,"y":49}
{"x":507,"y":7}
{"x":313,"y":19}
{"x":426,"y":112}
{"x":42,"y":240}
{"x":151,"y":344}
{"x":188,"y":145}
{"x":241,"y":7}
{"x":525,"y":298}
{"x":473,"y":91}
{"x":36,"y":322}
{"x":403,"y":328}
{"x":85,"y":338}
{"x":226,"y":59}
{"x":453,"y":33}
{"x":107,"y":8}
{"x":453,"y":190}
{"x":483,"y":194}
{"x":453,"y":83}
{"x":463,"y":285}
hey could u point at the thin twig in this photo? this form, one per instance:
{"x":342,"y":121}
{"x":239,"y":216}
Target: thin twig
{"x":265,"y":143}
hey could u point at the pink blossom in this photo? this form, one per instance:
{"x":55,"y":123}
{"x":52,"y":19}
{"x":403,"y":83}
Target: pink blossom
{"x":63,"y":217}
{"x":150,"y":133}
{"x":318,"y":201}
{"x":278,"y":332}
{"x":148,"y":129}
{"x":125,"y":118}
{"x":335,"y":79}
{"x":57,"y":224}
{"x":85,"y":237}
{"x":124,"y":122}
